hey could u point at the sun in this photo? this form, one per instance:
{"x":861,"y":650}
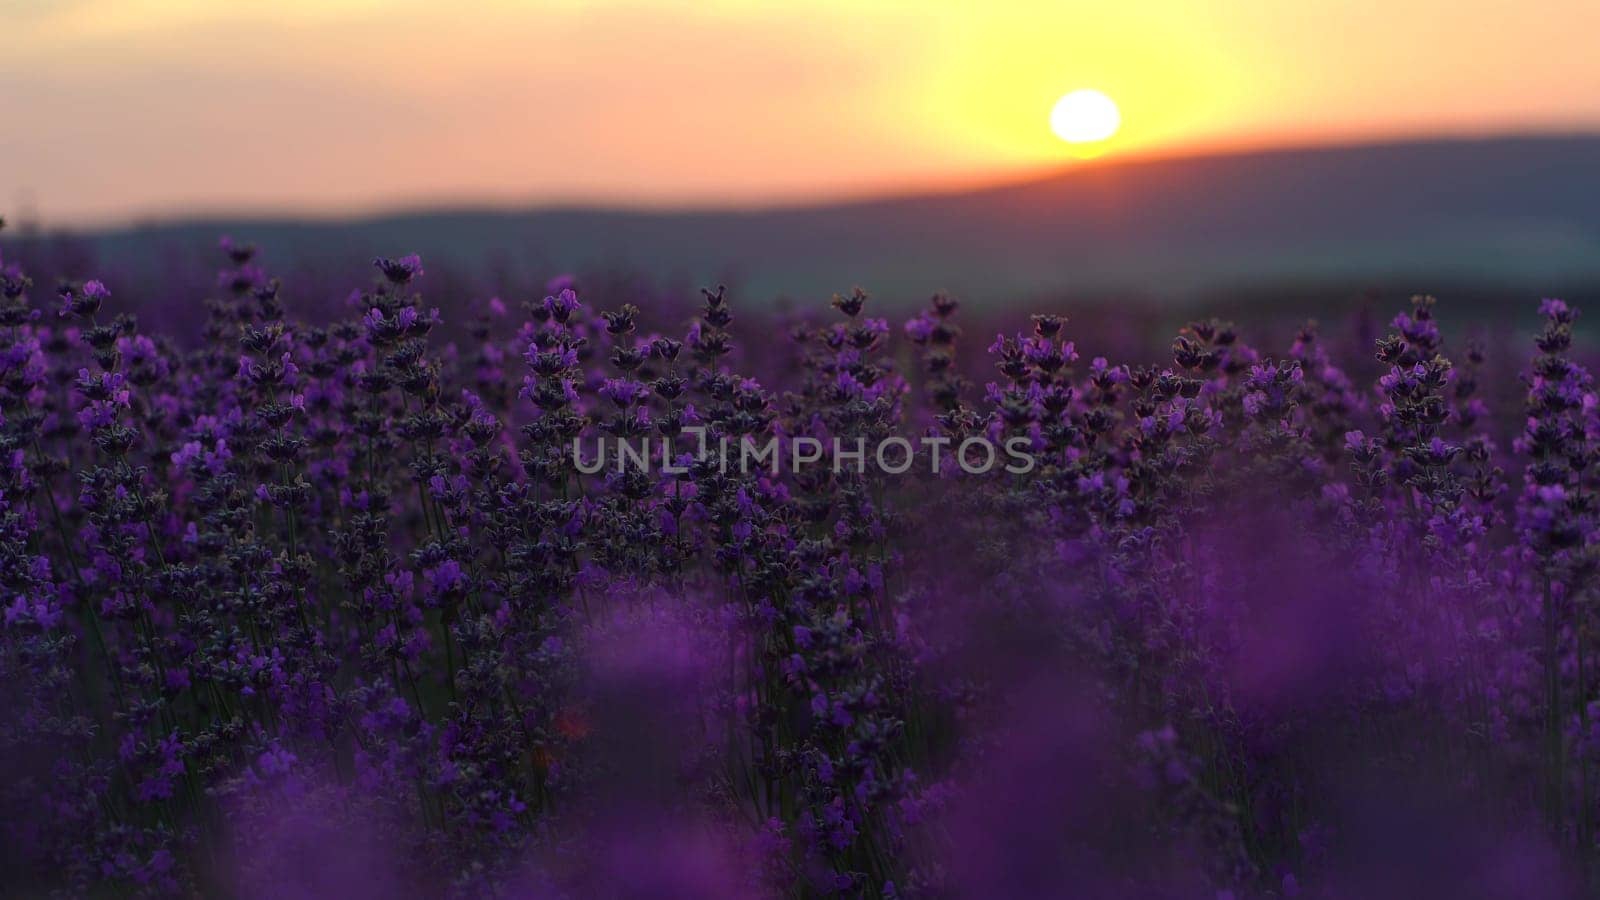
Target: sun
{"x":1085,"y":117}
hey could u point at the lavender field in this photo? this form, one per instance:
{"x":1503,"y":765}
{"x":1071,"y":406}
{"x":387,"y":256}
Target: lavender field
{"x":324,"y":604}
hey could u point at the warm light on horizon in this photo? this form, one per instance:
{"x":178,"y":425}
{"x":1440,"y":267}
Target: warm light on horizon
{"x":116,"y":109}
{"x":1085,"y":116}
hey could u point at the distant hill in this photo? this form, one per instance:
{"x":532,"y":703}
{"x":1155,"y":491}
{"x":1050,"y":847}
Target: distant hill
{"x":1517,"y":212}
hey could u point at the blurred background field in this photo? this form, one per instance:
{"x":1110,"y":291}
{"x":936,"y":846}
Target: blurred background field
{"x":1488,"y":219}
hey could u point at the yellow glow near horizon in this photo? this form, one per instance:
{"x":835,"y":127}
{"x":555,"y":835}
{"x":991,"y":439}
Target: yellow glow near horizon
{"x":122,"y":107}
{"x":1085,"y":117}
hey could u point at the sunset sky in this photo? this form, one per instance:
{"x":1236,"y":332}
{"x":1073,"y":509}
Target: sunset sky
{"x":120,"y":109}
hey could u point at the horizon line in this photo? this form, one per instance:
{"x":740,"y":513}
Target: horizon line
{"x":668,"y":207}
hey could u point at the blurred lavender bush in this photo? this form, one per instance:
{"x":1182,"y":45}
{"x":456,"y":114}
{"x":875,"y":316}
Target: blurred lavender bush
{"x":327,"y":610}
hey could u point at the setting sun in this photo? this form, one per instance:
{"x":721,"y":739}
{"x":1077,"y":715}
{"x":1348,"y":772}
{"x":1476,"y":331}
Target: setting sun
{"x":1084,"y":117}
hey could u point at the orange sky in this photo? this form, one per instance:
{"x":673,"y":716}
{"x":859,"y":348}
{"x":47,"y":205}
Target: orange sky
{"x":117,"y":109}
